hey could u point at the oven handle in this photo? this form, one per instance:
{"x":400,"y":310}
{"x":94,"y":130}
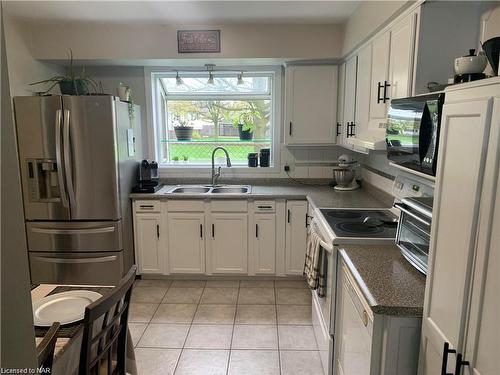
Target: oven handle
{"x":406,"y":211}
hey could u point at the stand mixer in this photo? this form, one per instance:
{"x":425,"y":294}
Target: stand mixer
{"x":344,"y":173}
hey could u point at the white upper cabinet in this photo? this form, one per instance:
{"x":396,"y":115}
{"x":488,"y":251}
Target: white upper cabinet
{"x":311,"y":105}
{"x":379,"y":82}
{"x":402,"y":48}
{"x":351,"y":67}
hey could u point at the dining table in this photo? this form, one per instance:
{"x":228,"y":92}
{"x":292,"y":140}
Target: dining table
{"x":69,"y":340}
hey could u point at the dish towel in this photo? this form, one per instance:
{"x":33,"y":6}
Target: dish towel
{"x":314,"y":264}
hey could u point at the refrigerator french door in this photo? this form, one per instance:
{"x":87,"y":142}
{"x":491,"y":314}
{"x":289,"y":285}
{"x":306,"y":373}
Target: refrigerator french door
{"x":76,"y":176}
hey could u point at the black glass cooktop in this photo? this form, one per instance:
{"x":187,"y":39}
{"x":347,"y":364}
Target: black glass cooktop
{"x":361,"y":223}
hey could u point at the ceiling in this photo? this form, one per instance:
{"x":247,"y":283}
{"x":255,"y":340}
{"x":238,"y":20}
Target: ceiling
{"x":185,"y":12}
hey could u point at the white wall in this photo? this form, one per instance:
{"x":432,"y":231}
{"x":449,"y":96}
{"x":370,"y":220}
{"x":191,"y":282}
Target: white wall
{"x":150,"y":42}
{"x":23,"y":67}
{"x":366,"y":19}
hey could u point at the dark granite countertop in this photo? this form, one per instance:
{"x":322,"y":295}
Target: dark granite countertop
{"x":389,"y":283}
{"x":318,"y":196}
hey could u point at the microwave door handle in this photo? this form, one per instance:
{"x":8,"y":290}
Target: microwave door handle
{"x":67,"y":157}
{"x":425,"y":133}
{"x":59,"y":161}
{"x":406,"y":211}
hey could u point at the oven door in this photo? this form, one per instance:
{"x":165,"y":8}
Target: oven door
{"x":413,"y":238}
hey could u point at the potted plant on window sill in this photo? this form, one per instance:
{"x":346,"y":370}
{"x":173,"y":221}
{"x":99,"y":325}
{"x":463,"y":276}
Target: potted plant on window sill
{"x":245,"y":123}
{"x":183,"y":131}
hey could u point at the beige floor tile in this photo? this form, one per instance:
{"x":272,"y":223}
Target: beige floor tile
{"x":256,"y":296}
{"x":254,"y":362}
{"x":151,"y":294}
{"x":170,"y":336}
{"x":294,"y":314}
{"x":256,"y":284}
{"x":203,"y":336}
{"x":162,"y":283}
{"x":153,"y":361}
{"x":141,"y":312}
{"x":188,"y":283}
{"x":255,"y":337}
{"x":215,"y":314}
{"x":291,"y":284}
{"x":136,"y":331}
{"x":174,"y":313}
{"x":219,"y":296}
{"x":300,"y":363}
{"x":256,"y":314}
{"x":293,"y":296}
{"x":202,"y":362}
{"x":222,"y":284}
{"x":183,"y":295}
{"x":296,"y":338}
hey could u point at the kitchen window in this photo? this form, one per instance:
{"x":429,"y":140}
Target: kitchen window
{"x":196,"y":111}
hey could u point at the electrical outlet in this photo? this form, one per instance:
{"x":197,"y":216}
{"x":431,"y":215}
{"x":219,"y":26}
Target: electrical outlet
{"x":286,"y":168}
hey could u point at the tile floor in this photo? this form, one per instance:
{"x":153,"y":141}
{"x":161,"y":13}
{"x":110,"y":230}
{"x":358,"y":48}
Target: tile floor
{"x":223,"y":327}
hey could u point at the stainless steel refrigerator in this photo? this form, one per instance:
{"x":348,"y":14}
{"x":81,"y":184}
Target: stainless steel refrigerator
{"x":78,"y":164}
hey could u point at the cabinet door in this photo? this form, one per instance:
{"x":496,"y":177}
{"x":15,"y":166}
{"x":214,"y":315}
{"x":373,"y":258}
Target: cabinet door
{"x":340,"y":103}
{"x":461,"y":162}
{"x":296,"y":236}
{"x":186,"y":243}
{"x":311,"y":104}
{"x":229,"y":242}
{"x":483,"y":333}
{"x":401,"y":65}
{"x":380,"y":76}
{"x":264,"y":244}
{"x":351,"y":68}
{"x":363,"y":80}
{"x":148,"y":249}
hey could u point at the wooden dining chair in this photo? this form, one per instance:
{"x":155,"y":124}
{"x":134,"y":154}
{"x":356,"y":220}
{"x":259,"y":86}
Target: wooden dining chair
{"x":45,"y":349}
{"x":104,"y":341}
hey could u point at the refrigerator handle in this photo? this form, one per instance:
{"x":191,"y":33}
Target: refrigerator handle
{"x":59,"y":160}
{"x":68,"y":172}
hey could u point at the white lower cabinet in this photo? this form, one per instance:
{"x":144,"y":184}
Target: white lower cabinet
{"x":186,"y":242}
{"x":264,"y":244}
{"x":296,"y":237}
{"x":149,"y":252}
{"x":229,"y":243}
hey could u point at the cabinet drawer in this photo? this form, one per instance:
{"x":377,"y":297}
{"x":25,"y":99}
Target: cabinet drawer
{"x":264,"y":206}
{"x":147,"y":206}
{"x":229,"y":206}
{"x":186,"y":206}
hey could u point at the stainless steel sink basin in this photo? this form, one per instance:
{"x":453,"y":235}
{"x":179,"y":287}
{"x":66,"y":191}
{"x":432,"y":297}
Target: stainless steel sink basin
{"x":190,"y":190}
{"x":206,"y":189}
{"x":231,"y":190}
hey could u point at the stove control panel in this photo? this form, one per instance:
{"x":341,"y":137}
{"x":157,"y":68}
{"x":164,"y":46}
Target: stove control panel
{"x":404,"y":187}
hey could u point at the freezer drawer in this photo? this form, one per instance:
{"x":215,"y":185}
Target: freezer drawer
{"x":88,"y":236}
{"x":76,"y":268}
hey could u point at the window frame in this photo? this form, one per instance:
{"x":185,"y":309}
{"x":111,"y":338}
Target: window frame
{"x":155,"y":121}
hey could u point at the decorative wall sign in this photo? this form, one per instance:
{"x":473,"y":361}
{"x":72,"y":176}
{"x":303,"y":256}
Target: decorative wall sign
{"x":198,"y":41}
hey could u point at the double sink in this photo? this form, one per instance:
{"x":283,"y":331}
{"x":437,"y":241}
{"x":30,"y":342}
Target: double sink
{"x":208,"y":189}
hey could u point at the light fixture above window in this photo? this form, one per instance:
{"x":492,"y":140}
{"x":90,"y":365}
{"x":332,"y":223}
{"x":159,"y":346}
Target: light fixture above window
{"x":178,"y":79}
{"x":240,"y":79}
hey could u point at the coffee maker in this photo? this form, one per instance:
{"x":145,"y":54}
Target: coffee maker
{"x":147,"y":177}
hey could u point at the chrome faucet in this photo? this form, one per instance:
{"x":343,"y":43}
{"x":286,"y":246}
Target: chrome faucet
{"x":216,"y":175}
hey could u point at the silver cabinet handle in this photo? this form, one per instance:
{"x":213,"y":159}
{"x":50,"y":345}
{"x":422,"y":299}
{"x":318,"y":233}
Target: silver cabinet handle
{"x":406,"y":211}
{"x":67,"y":158}
{"x":59,"y":160}
{"x":73,"y":231}
{"x":110,"y":258}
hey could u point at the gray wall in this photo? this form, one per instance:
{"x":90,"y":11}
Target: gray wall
{"x":17,"y":332}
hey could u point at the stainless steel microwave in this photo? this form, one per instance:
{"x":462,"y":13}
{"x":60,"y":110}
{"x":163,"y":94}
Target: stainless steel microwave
{"x":414,"y":230}
{"x":412,"y":133}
